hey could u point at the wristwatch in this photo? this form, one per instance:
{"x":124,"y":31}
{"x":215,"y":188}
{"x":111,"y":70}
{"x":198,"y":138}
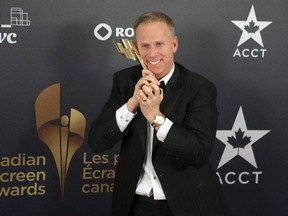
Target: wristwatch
{"x":158,"y":121}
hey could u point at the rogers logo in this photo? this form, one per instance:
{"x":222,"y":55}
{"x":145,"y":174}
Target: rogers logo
{"x":103,"y":32}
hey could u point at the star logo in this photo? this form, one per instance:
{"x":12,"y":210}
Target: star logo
{"x":251,"y":28}
{"x":239,"y":141}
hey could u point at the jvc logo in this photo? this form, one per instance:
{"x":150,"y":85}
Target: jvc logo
{"x":18,"y":18}
{"x":9,"y":37}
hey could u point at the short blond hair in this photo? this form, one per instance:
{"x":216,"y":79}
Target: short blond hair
{"x":154,"y":16}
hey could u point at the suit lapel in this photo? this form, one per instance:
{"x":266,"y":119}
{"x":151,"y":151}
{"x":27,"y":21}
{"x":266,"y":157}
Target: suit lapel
{"x":141,"y":125}
{"x":173,"y":90}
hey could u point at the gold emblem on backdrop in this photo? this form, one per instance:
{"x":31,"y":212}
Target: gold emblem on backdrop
{"x":64,"y":135}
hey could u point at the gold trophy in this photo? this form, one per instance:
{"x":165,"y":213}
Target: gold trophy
{"x":128,"y":49}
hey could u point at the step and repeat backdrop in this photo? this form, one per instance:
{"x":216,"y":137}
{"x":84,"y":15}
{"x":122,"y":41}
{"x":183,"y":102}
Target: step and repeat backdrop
{"x":57,"y":59}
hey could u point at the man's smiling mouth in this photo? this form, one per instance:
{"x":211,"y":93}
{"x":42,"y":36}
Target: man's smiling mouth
{"x":154,"y":62}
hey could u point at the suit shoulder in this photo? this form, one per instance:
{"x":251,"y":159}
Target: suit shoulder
{"x":134,"y":71}
{"x":193,"y":77}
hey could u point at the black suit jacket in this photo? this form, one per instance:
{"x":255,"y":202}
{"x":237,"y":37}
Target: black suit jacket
{"x":182,"y":160}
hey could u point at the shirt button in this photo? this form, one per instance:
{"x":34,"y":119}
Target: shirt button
{"x":121,"y":117}
{"x":155,"y":177}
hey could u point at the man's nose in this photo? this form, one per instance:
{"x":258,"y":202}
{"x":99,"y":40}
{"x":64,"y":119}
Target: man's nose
{"x":152,"y":52}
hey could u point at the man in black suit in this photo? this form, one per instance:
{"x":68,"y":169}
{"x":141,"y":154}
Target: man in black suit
{"x":167,"y":173}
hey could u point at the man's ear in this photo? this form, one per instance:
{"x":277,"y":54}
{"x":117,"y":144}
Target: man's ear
{"x":175,"y":44}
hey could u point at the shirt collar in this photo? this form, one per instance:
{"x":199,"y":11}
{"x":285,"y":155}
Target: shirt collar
{"x":168,"y":76}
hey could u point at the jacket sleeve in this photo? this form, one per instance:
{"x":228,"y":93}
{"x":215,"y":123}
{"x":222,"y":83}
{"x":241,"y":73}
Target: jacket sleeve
{"x":104,"y":132}
{"x":191,"y":139}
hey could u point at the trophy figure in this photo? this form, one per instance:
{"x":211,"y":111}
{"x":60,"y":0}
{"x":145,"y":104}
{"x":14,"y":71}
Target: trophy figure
{"x":128,"y":49}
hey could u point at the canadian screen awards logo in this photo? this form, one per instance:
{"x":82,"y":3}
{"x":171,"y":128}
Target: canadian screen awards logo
{"x":239,"y":142}
{"x":17,"y":18}
{"x":251,"y":30}
{"x":63,"y":135}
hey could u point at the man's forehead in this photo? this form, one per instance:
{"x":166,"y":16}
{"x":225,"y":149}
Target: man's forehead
{"x":139,"y":31}
{"x":149,"y":23}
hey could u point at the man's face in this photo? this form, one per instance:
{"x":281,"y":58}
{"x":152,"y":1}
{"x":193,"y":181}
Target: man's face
{"x":156,"y":46}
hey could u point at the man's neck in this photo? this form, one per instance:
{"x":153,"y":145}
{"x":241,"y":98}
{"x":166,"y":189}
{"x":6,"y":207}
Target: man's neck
{"x":167,"y":77}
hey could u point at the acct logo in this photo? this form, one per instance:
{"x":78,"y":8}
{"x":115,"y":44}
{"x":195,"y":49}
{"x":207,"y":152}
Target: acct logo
{"x":251,"y":29}
{"x":17,"y":18}
{"x":103,"y":32}
{"x":238,"y":143}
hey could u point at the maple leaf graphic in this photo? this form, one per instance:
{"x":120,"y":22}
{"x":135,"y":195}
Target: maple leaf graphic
{"x":240,"y":141}
{"x":251,"y":28}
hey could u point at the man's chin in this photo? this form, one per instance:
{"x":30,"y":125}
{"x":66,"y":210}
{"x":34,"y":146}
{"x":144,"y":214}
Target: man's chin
{"x":155,"y":70}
